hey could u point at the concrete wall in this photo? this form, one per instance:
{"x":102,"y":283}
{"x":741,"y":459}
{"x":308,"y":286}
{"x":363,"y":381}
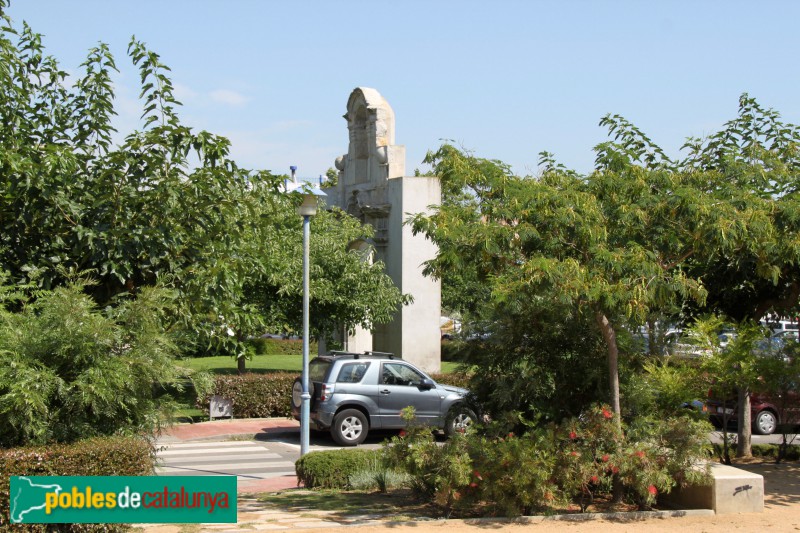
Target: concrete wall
{"x":414,"y":334}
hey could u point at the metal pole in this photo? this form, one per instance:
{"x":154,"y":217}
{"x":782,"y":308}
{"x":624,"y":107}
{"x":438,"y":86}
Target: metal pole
{"x":305,"y":405}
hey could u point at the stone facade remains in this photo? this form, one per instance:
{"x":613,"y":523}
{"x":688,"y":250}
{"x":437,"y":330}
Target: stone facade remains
{"x":373,"y":187}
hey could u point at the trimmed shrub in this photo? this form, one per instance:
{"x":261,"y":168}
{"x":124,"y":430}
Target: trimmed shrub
{"x":333,"y":469}
{"x":281,"y":346}
{"x":102,"y":456}
{"x":456,"y":379}
{"x":771,"y":450}
{"x":254,"y":395}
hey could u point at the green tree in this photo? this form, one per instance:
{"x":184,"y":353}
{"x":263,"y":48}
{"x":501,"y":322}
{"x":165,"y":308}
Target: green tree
{"x":609,"y":245}
{"x":754,"y":161}
{"x":331,"y":177}
{"x":734,"y":368}
{"x":167,"y":202}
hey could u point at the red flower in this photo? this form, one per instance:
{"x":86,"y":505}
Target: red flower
{"x":573,"y":435}
{"x":605,"y":458}
{"x":594,"y":479}
{"x":614,"y":470}
{"x":639,"y":454}
{"x":511,"y":435}
{"x":607,"y":413}
{"x":652,"y":490}
{"x":473,"y":484}
{"x":573,"y":453}
{"x":477,"y":474}
{"x":402,"y":433}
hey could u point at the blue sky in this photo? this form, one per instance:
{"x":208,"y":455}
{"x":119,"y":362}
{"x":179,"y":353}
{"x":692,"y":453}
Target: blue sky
{"x":506,"y":79}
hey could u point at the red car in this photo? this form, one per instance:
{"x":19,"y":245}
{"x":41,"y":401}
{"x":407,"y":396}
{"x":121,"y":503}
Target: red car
{"x":766,"y":412}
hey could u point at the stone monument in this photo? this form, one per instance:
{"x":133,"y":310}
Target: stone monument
{"x":373,"y":188}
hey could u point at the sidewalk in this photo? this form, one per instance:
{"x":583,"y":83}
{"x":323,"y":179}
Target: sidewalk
{"x":227,"y":429}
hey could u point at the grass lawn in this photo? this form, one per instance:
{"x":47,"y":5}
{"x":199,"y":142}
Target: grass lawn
{"x":224,"y":364}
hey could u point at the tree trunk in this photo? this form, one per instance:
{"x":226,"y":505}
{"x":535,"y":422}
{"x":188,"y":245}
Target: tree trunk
{"x":744,"y":438}
{"x":610,"y":336}
{"x":240,"y":364}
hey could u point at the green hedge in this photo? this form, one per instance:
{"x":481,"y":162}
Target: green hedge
{"x":332,"y":469}
{"x":254,"y":395}
{"x":102,"y":456}
{"x":281,"y":346}
{"x":456,"y":379}
{"x":771,"y":450}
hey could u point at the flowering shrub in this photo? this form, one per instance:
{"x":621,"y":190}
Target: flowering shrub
{"x":551,"y":467}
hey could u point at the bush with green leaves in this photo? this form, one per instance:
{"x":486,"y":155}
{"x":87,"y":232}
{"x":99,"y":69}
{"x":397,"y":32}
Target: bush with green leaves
{"x":102,"y":456}
{"x":333,"y":469}
{"x":551,"y":467}
{"x":253,"y":395}
{"x":69,"y":370}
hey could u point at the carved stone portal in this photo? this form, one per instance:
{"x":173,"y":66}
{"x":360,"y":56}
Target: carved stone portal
{"x":373,"y":188}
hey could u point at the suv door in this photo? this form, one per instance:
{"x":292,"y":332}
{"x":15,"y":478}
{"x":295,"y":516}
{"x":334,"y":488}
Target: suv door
{"x":400,"y":386}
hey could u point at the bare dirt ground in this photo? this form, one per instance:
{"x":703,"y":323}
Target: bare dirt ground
{"x":781,"y":513}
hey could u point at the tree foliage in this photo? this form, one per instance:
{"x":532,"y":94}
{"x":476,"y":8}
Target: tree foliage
{"x":641,"y":236}
{"x":607,"y":247}
{"x":165,"y":201}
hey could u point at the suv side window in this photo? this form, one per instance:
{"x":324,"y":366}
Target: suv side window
{"x":352,"y":372}
{"x":399,"y":374}
{"x":317,"y":369}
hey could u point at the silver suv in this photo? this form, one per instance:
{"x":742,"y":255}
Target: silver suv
{"x":353,"y":393}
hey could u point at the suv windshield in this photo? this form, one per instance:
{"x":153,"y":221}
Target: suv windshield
{"x":317,"y":369}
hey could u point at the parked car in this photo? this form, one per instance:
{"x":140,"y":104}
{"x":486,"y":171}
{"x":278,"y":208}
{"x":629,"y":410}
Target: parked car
{"x":766,"y":412}
{"x":352,"y":394}
{"x":676,"y":345}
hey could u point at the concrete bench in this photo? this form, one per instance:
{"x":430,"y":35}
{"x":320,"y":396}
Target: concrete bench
{"x":732,"y":491}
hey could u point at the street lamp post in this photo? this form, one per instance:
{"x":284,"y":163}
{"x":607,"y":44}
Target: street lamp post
{"x":307,"y":209}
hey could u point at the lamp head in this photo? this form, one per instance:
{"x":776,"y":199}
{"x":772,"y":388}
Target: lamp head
{"x":311,"y":196}
{"x":309,"y":206}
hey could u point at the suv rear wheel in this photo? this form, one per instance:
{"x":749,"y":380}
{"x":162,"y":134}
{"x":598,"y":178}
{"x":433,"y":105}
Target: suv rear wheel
{"x":297,"y":392}
{"x":350,"y":427}
{"x":458,"y":420}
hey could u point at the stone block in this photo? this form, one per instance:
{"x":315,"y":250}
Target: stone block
{"x":732,"y":491}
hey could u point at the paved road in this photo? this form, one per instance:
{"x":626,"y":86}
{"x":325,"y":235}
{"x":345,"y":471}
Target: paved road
{"x":249,"y":460}
{"x":755,"y":439}
{"x":244,"y":459}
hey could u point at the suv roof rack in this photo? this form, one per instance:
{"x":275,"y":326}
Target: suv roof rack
{"x":379,"y":354}
{"x":368,"y":353}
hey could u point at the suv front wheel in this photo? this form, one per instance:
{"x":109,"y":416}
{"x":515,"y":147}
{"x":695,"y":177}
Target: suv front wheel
{"x":350,"y":427}
{"x":458,"y":420}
